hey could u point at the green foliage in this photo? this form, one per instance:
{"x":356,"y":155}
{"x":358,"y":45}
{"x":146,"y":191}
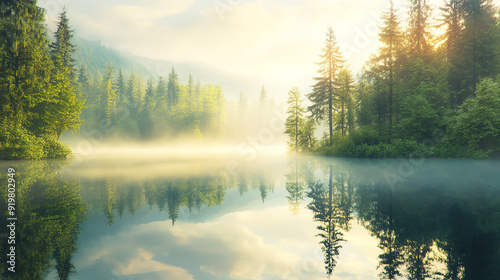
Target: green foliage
{"x":55,"y":149}
{"x":343,"y":105}
{"x":295,"y":119}
{"x":52,"y":212}
{"x":366,"y":135}
{"x":414,"y":88}
{"x":120,"y":106}
{"x":346,"y":147}
{"x":324,"y":92}
{"x":38,"y":99}
{"x":17,"y":142}
{"x":97,"y":57}
{"x":327,"y":215}
{"x":418,"y":119}
{"x":307,"y":140}
{"x":475,"y":130}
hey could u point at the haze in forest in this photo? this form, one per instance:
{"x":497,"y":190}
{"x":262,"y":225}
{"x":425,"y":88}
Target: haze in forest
{"x":218,"y":74}
{"x":275,"y":43}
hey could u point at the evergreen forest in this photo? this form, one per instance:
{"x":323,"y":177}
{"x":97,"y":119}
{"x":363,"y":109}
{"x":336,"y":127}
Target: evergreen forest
{"x":431,"y":89}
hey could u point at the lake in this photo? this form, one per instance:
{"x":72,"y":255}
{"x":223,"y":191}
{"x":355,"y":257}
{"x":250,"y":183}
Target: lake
{"x":145,"y":213}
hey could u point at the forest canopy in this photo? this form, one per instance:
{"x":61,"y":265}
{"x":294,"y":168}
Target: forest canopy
{"x":43,"y":93}
{"x":428,"y":90}
{"x":38,"y":97}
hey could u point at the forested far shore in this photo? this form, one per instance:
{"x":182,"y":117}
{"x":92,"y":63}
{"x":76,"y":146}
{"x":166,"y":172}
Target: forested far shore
{"x":127,"y":107}
{"x":422,"y":93}
{"x":44,"y":93}
{"x":430,"y":90}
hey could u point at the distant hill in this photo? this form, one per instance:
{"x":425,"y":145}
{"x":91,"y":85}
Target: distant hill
{"x":231,"y":84}
{"x":96,"y":57}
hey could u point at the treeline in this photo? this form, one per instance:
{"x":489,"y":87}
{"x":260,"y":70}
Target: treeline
{"x":251,"y":115}
{"x":38,"y":97}
{"x":129,"y":107}
{"x":43,"y":94}
{"x":421,"y":93}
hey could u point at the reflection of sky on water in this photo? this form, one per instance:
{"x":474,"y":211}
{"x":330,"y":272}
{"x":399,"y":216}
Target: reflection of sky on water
{"x":241,"y":239}
{"x":244,"y":238}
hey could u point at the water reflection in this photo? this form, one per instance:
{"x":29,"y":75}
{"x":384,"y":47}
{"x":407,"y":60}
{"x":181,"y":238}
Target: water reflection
{"x":439,"y":220}
{"x":172,"y":194}
{"x":49,"y":212}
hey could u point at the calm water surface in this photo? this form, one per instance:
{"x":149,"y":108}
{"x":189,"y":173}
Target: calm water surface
{"x":150,"y":216}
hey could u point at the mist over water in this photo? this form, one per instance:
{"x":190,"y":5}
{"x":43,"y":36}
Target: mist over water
{"x":191,"y":212}
{"x":151,"y":160}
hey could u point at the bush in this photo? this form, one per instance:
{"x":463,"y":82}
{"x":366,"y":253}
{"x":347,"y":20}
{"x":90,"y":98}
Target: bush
{"x":18,"y":143}
{"x":365,"y":135}
{"x":55,"y":149}
{"x":477,"y":124}
{"x":346,"y":147}
{"x":474,"y":132}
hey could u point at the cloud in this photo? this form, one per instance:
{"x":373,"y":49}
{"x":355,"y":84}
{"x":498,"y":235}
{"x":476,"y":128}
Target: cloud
{"x":246,"y":244}
{"x":249,"y":244}
{"x":277,"y":41}
{"x":136,"y":13}
{"x":174,"y":7}
{"x":144,"y":264}
{"x":257,"y":39}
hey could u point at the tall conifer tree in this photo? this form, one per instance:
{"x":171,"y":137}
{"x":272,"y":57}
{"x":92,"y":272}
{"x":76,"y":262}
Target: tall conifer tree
{"x":324,"y":91}
{"x":295,"y":119}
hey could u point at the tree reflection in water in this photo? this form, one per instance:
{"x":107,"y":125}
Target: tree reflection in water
{"x":441,"y":222}
{"x":49,"y":213}
{"x":446,"y":228}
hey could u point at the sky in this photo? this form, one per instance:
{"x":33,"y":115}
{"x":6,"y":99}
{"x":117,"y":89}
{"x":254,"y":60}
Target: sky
{"x":274,"y":42}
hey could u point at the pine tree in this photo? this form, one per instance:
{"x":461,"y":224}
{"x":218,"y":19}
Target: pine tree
{"x":190,"y":93}
{"x":452,"y":14}
{"x":130,"y":89}
{"x":307,"y":141}
{"x":481,"y":51}
{"x":109,"y":95}
{"x":386,"y":64}
{"x":173,"y":89}
{"x":263,"y":97}
{"x":62,"y":50}
{"x":343,"y":106}
{"x":190,"y":86}
{"x":130,"y":96}
{"x":146,"y":115}
{"x":162,"y":102}
{"x":83,"y":78}
{"x":197,"y":96}
{"x":68,"y":103}
{"x":324,"y":92}
{"x":219,"y":101}
{"x":25,"y":64}
{"x":419,"y":34}
{"x":295,"y":119}
{"x":453,"y":38}
{"x":120,"y":87}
